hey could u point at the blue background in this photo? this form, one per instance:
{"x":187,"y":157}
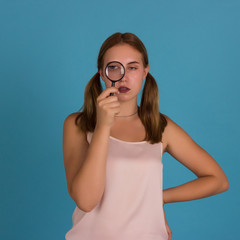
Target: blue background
{"x":48,"y":53}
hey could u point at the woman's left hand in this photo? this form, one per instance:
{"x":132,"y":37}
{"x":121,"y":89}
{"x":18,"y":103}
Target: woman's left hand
{"x":167,"y":227}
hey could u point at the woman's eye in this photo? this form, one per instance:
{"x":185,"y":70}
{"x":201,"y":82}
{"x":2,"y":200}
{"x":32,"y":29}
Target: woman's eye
{"x":112,"y":67}
{"x":132,"y":68}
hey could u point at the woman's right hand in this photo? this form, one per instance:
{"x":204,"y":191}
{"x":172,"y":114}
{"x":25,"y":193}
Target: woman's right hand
{"x":107,"y":107}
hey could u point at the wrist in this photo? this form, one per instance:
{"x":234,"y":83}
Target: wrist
{"x":102,"y":128}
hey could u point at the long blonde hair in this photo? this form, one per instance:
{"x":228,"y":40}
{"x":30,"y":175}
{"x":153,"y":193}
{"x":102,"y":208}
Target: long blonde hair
{"x":148,"y":112}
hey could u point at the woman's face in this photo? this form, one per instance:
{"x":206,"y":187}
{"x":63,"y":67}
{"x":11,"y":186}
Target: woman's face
{"x":135,"y":72}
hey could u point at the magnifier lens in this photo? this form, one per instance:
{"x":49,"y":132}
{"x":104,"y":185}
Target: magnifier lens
{"x":114,"y":71}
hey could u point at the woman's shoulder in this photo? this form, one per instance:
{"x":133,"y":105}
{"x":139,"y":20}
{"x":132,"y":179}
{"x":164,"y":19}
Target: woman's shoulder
{"x":167,"y":118}
{"x":74,"y":114}
{"x":73,"y":117}
{"x":71,"y":124}
{"x":170,"y":124}
{"x":164,"y":123}
{"x":174,"y":134}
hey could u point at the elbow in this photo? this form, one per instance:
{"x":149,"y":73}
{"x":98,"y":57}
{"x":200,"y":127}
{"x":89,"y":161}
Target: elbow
{"x":83,"y":204}
{"x":223,"y":184}
{"x":84,"y":209}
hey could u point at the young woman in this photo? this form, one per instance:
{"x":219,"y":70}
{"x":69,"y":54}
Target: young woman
{"x":113,"y":153}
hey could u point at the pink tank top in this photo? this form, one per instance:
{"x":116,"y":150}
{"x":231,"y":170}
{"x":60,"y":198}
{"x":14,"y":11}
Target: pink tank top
{"x":131,"y":206}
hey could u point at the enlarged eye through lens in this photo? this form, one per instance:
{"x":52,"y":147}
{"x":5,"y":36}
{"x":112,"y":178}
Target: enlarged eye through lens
{"x":113,"y":67}
{"x":114,"y":71}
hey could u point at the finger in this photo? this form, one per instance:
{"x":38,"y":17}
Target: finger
{"x":106,"y":92}
{"x":113,"y":104}
{"x":109,"y":99}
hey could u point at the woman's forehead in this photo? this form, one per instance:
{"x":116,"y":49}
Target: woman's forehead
{"x":123,"y":53}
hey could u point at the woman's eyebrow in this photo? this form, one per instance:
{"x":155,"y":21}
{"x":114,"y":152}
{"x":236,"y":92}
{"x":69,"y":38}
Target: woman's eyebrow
{"x":133,"y":62}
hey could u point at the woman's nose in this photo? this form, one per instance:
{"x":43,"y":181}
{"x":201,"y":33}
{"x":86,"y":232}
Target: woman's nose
{"x":124,"y":77}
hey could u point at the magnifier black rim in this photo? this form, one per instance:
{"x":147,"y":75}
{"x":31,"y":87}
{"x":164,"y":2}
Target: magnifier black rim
{"x":106,"y":70}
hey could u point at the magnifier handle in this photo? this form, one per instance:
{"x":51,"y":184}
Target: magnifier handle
{"x":113,"y":85}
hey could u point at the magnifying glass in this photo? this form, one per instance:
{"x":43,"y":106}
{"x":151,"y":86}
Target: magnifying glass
{"x":114,"y":71}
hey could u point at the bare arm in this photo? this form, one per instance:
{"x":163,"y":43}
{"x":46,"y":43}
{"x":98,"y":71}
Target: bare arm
{"x":85,"y":164}
{"x":211,"y":178}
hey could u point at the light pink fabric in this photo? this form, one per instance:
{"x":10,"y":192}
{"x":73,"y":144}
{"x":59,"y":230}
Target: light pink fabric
{"x":131,"y":206}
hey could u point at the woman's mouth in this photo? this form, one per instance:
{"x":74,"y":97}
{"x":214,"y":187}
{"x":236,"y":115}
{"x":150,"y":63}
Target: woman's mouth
{"x":123,"y":89}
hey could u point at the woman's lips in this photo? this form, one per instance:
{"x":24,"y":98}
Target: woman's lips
{"x":123,"y":89}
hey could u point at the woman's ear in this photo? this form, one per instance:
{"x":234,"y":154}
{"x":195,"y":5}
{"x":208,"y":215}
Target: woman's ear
{"x":102,"y":77}
{"x":146,"y":70}
{"x":101,"y":73}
